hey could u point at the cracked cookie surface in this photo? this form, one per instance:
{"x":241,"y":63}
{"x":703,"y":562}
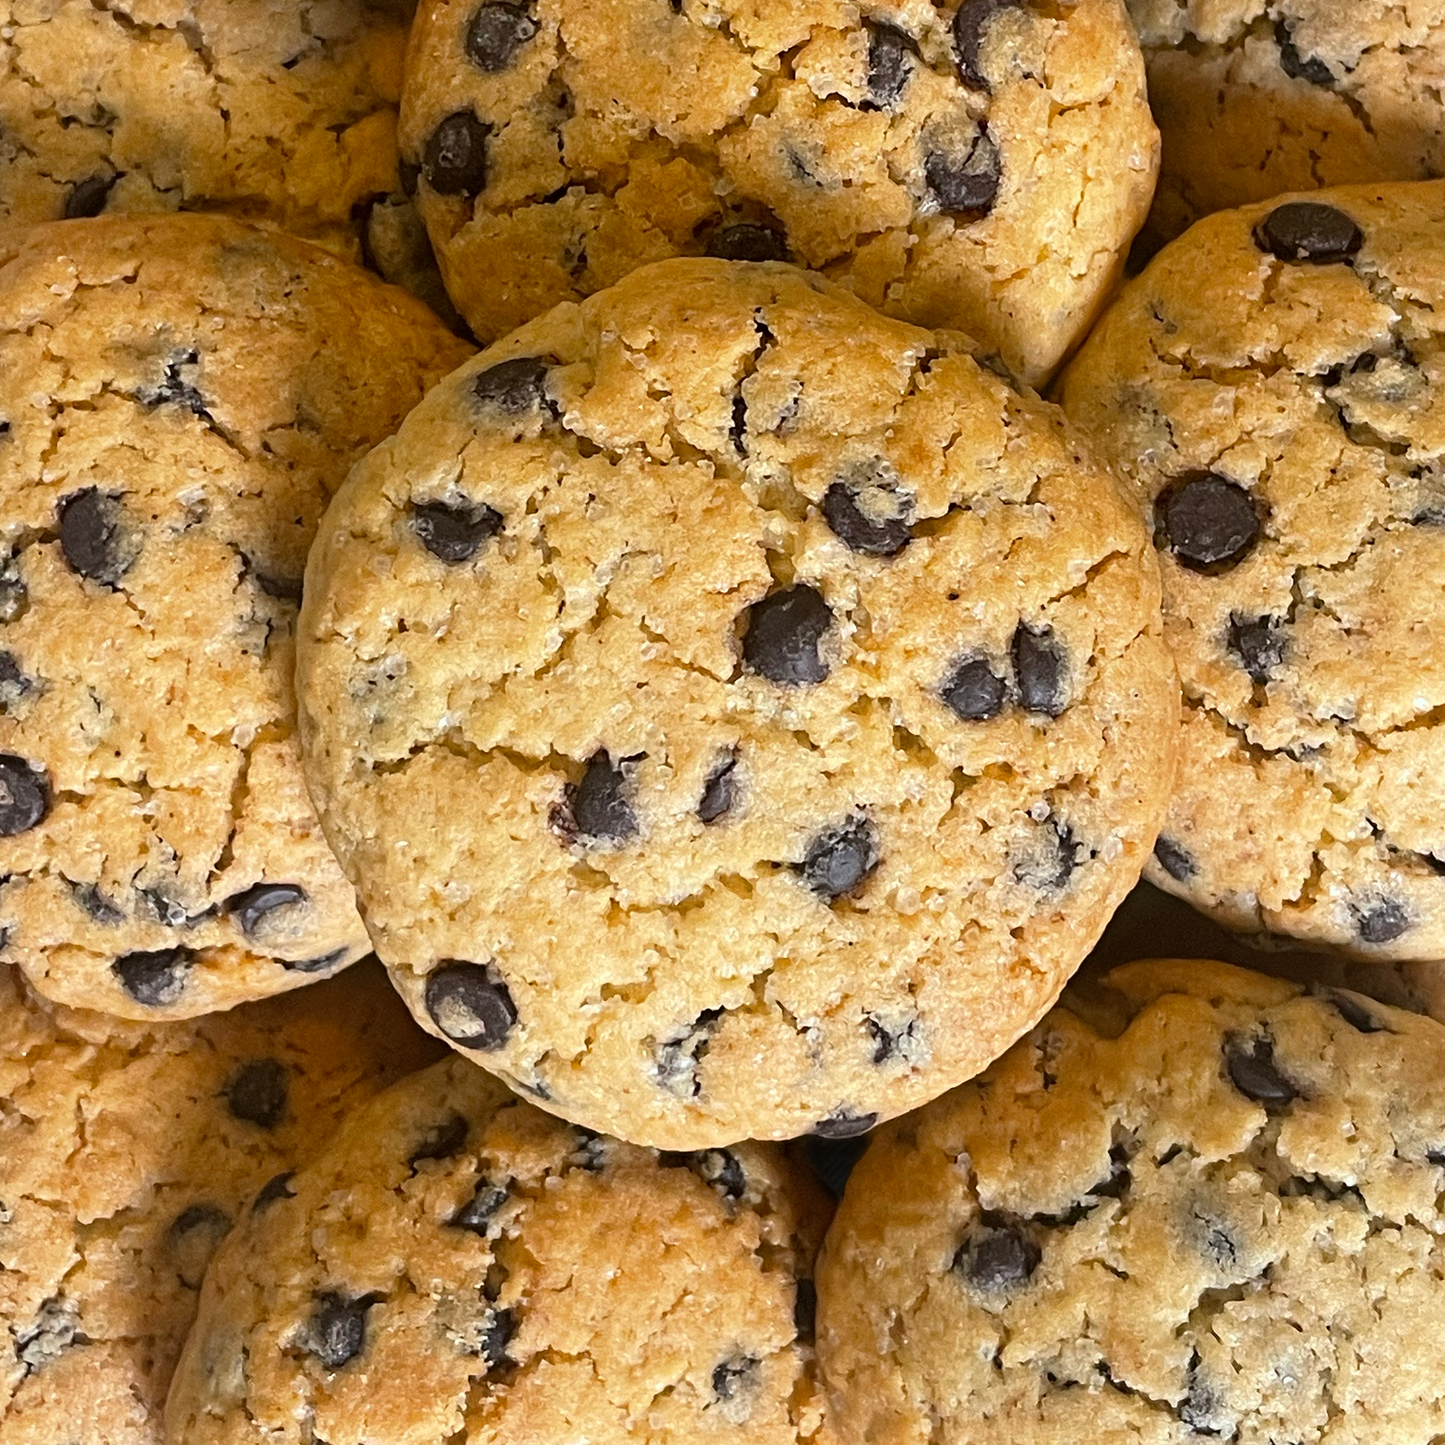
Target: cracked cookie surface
{"x":460,"y":1266}
{"x":980,"y":166}
{"x":739,"y":712}
{"x":179,"y":397}
{"x":128,"y":1151}
{"x":1273,"y":388}
{"x":1204,"y":1205}
{"x":1257,"y":97}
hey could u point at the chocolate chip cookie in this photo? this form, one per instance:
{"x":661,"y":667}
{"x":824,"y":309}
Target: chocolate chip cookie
{"x":1204,"y":1206}
{"x":1255,"y":99}
{"x":126,"y":1153}
{"x":980,"y":165}
{"x":179,"y":397}
{"x":460,"y":1266}
{"x":1273,"y":388}
{"x":739,"y":712}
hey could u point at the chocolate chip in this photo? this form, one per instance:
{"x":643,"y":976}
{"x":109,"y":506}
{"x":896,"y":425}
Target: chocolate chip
{"x":1209,"y":523}
{"x":738,"y":431}
{"x":997,"y":1255}
{"x":1352,"y":1010}
{"x":516,"y":387}
{"x":496,"y":34}
{"x":443,"y":1141}
{"x":833,"y":1160}
{"x":970,"y":28}
{"x":96,"y":904}
{"x":783,"y":636}
{"x":1308,"y":231}
{"x":974,"y":691}
{"x":889,"y":1040}
{"x":95,"y":536}
{"x":154,"y":978}
{"x":723,"y":1170}
{"x":1253,"y":1072}
{"x":176,"y":389}
{"x":966,"y":186}
{"x":891,"y":55}
{"x":1041,"y":670}
{"x":733,"y":1377}
{"x":1175,"y":860}
{"x":1049,"y":866}
{"x":1295,"y":65}
{"x":601,"y":803}
{"x":838,"y":860}
{"x":454,"y":162}
{"x":591,"y":1150}
{"x":720,"y":792}
{"x":844,"y":1123}
{"x":471,"y":1005}
{"x":1201,"y":1409}
{"x":678,"y":1058}
{"x":454,"y":532}
{"x":1259,"y":644}
{"x":194,"y":1237}
{"x":313,"y":965}
{"x":479,"y":1211}
{"x":88,"y":197}
{"x":497,"y":1334}
{"x":273,"y":1189}
{"x":252,"y":907}
{"x":336,"y":1331}
{"x":748,"y":241}
{"x":872,"y":519}
{"x":24,"y":795}
{"x":1381,"y":920}
{"x":805,"y":1311}
{"x":50,"y":1333}
{"x":257,"y":1092}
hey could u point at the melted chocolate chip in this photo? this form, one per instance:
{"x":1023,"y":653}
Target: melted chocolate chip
{"x":872,"y":520}
{"x":1253,"y":1071}
{"x":471,"y":1005}
{"x":257,"y":1092}
{"x":253,"y":907}
{"x":844,"y":1123}
{"x":454,"y":532}
{"x":95,"y":537}
{"x":50,"y":1333}
{"x":454,"y":162}
{"x":734,"y":1376}
{"x":1308,"y":231}
{"x":1041,"y":670}
{"x":1295,"y":65}
{"x":1381,"y":920}
{"x":24,"y":795}
{"x":748,"y":241}
{"x":442,"y":1141}
{"x":495,"y":35}
{"x":601,"y":803}
{"x":720,"y":792}
{"x":784,"y":634}
{"x":88,"y":197}
{"x":176,"y":389}
{"x":888,"y":1040}
{"x":278,"y":1187}
{"x":1201,"y":1409}
{"x":891,"y":56}
{"x":1175,"y":860}
{"x":838,"y":860}
{"x":1259,"y":644}
{"x":479,"y":1211}
{"x":1353,"y":1011}
{"x":997,"y":1255}
{"x":515,"y":387}
{"x":194,"y":1237}
{"x":1209,"y":523}
{"x":723,"y":1170}
{"x":336,"y":1331}
{"x":833,"y":1160}
{"x":970,"y":28}
{"x":154,"y":978}
{"x":313,"y":965}
{"x":497,"y":1334}
{"x":678,"y":1058}
{"x":805,"y":1311}
{"x":1049,"y":867}
{"x":974,"y":691}
{"x":966,"y":186}
{"x":96,"y":904}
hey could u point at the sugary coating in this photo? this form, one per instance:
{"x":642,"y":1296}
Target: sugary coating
{"x":981,"y":165}
{"x":460,"y":1266}
{"x":179,"y":397}
{"x":1207,"y":1208}
{"x":739,"y":712}
{"x":1273,"y":389}
{"x":1257,"y":97}
{"x":126,"y":1152}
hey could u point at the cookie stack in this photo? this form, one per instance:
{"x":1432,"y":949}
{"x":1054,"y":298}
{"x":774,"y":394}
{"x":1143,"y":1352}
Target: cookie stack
{"x":734,"y":706}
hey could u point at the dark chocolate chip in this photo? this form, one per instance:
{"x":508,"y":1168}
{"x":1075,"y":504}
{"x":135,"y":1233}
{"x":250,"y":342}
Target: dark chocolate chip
{"x":50,"y":1333}
{"x":1295,"y":65}
{"x":833,"y":1160}
{"x":443,"y":1141}
{"x":1259,"y":644}
{"x":997,"y":1255}
{"x":336,"y":1331}
{"x":974,"y":691}
{"x":844,"y":1123}
{"x":252,"y":907}
{"x":479,"y":1211}
{"x":195,"y":1235}
{"x":155,"y":978}
{"x":1201,"y":1409}
{"x":733,"y":1377}
{"x":720,"y":792}
{"x":1308,"y":231}
{"x":496,"y":34}
{"x":887,"y":1040}
{"x":497,"y":1334}
{"x":1041,"y":670}
{"x":882,"y":530}
{"x":602,"y":803}
{"x":1353,"y":1011}
{"x":471,"y":1005}
{"x":838,"y":860}
{"x":970,"y":28}
{"x":24,"y":795}
{"x":454,"y":161}
{"x":1049,"y":866}
{"x":966,"y":186}
{"x":1175,"y":860}
{"x":257,"y":1092}
{"x":1253,"y":1072}
{"x":891,"y":56}
{"x":95,"y":538}
{"x":723,"y":1170}
{"x":176,"y":390}
{"x":96,"y":904}
{"x":678,"y":1058}
{"x":454,"y":532}
{"x":805,"y":1311}
{"x":1381,"y":920}
{"x":783,"y":636}
{"x":748,"y":241}
{"x":1209,"y":523}
{"x":88,"y":197}
{"x":313,"y":965}
{"x":195,"y":1216}
{"x":278,"y":1187}
{"x":515,"y":387}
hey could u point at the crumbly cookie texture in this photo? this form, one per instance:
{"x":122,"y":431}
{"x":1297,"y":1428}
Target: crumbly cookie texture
{"x":739,"y":712}
{"x":460,"y":1266}
{"x":128,"y":1151}
{"x":1205,"y":1207}
{"x":179,"y":397}
{"x":1254,"y":98}
{"x":982,"y":166}
{"x":1273,"y":389}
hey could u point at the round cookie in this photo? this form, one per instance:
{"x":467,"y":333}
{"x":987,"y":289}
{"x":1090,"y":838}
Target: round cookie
{"x":1254,"y":99}
{"x":179,"y":397}
{"x":460,"y":1266}
{"x":1273,"y":389}
{"x":128,"y":1150}
{"x":1207,"y":1208}
{"x":739,"y":712}
{"x":982,"y":166}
